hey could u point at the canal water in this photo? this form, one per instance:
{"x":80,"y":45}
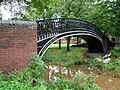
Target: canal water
{"x":107,"y":82}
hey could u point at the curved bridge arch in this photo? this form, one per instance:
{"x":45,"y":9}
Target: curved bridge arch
{"x":82,"y":34}
{"x":50,"y":30}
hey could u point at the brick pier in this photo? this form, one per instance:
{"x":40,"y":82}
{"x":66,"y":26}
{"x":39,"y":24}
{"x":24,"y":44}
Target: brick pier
{"x":18,"y":39}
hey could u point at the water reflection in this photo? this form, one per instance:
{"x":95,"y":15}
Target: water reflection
{"x":106,"y":82}
{"x":64,"y":72}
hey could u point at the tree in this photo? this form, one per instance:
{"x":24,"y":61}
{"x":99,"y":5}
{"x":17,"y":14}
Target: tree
{"x":14,"y":7}
{"x":113,"y":18}
{"x":117,"y":17}
{"x":37,"y":9}
{"x":98,"y":12}
{"x":68,"y":43}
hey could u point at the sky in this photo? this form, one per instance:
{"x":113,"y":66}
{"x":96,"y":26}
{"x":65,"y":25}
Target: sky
{"x":5,"y":13}
{"x":16,"y":8}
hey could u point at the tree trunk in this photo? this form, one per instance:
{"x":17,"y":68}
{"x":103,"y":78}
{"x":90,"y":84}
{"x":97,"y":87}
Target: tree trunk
{"x":59,"y":43}
{"x":68,"y":43}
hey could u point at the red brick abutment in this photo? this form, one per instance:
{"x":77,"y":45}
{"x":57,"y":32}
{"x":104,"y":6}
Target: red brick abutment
{"x":18,"y":39}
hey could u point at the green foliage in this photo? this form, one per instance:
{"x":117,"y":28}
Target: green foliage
{"x":113,"y":65}
{"x":28,"y":79}
{"x":116,"y":51}
{"x":80,"y":82}
{"x":116,"y":11}
{"x":103,"y":14}
{"x":97,"y":66}
{"x":101,"y":67}
{"x":37,"y":9}
{"x":36,"y":67}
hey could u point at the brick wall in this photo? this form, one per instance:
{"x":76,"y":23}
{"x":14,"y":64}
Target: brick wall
{"x":17,"y":40}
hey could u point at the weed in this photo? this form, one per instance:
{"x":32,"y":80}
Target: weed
{"x":28,"y":79}
{"x":112,"y":66}
{"x":32,"y":79}
{"x":80,"y":82}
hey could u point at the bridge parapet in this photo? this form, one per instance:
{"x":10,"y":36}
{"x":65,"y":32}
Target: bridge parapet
{"x":17,"y":22}
{"x":51,"y":27}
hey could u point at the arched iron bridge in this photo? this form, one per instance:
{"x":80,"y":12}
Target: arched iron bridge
{"x":51,"y":30}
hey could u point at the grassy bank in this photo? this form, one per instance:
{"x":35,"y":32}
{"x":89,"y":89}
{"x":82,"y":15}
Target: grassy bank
{"x":64,"y":57}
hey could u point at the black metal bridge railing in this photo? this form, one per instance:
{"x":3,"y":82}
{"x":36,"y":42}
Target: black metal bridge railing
{"x":50,"y":27}
{"x":50,"y":30}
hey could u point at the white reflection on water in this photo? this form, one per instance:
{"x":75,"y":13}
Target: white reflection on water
{"x":56,"y":70}
{"x":106,"y":82}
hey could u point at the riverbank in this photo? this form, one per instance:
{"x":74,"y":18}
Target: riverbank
{"x":108,"y":72}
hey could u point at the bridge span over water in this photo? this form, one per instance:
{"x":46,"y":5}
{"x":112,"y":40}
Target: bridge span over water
{"x":51,"y":30}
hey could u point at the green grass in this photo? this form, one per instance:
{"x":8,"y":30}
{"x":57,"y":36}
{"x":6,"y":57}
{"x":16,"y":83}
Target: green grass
{"x":64,"y":57}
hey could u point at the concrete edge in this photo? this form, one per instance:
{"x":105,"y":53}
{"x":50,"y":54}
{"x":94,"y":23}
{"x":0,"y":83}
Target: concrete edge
{"x":17,"y":22}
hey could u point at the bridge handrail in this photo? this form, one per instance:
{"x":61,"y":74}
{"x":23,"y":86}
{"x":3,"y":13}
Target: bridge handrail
{"x":58,"y":25}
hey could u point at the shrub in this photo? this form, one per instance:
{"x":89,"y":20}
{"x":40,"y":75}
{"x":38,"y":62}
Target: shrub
{"x":80,"y":82}
{"x":116,"y":51}
{"x":28,"y":79}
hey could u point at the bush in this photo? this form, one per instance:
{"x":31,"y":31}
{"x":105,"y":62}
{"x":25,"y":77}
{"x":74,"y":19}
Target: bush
{"x":28,"y":79}
{"x":116,"y":51}
{"x":80,"y":82}
{"x":112,"y":66}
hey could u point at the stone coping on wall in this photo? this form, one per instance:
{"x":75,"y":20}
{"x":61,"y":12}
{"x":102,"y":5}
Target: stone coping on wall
{"x":17,"y":22}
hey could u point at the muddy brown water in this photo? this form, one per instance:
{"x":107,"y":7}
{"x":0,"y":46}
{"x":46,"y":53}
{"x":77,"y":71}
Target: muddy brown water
{"x":107,"y":82}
